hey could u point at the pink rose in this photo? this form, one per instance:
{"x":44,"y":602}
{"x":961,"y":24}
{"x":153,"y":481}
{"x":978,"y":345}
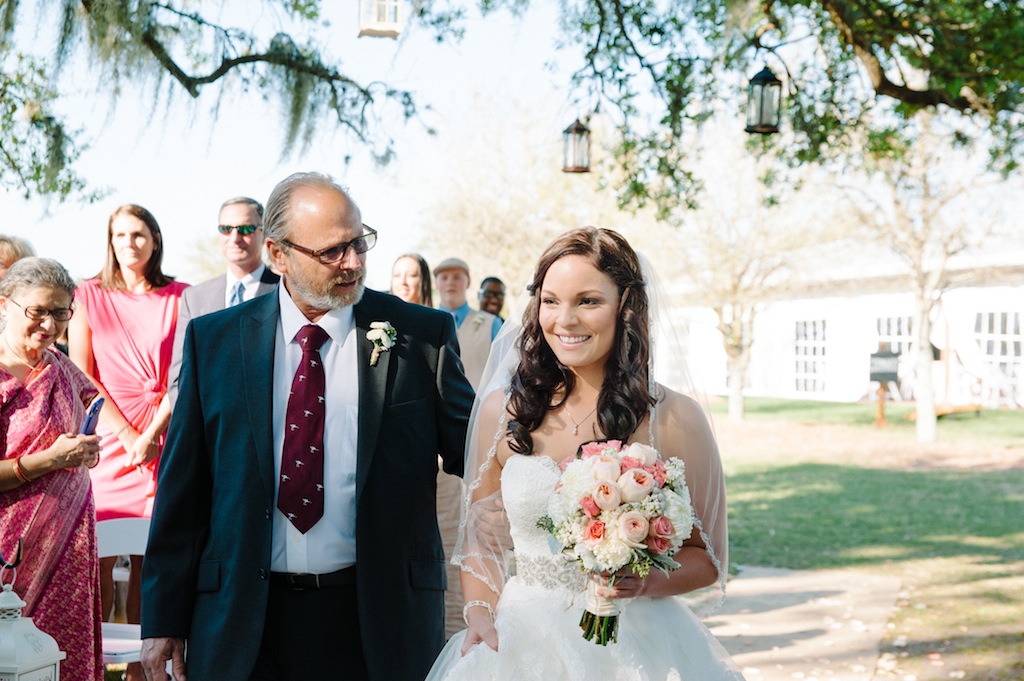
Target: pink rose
{"x":606,"y":495}
{"x":628,"y":462}
{"x":594,"y":532}
{"x":662,"y":527}
{"x":658,"y":544}
{"x":605,"y":467}
{"x":590,"y":449}
{"x":658,"y":470}
{"x":590,"y":507}
{"x":635,"y":484}
{"x":633,"y":526}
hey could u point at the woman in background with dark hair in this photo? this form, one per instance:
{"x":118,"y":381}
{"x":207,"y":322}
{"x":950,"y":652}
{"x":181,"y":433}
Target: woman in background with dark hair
{"x":410,"y":280}
{"x":578,"y":371}
{"x":122,"y":336}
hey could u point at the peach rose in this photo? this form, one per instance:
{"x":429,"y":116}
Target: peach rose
{"x":605,"y":468}
{"x":594,"y":532}
{"x":590,"y":507}
{"x":606,"y":495}
{"x":635,"y":484}
{"x":662,"y":527}
{"x":633,"y":526}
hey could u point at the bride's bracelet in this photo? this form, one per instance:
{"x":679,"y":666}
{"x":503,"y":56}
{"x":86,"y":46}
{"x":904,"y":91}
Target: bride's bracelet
{"x":482,"y":604}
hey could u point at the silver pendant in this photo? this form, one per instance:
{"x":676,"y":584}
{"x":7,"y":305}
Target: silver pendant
{"x":575,"y":430}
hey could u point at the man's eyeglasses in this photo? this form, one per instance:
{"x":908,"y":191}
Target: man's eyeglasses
{"x":244,"y":230}
{"x":329,"y":256}
{"x":60,"y":314}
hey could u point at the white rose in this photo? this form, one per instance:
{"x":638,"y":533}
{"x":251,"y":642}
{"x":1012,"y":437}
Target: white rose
{"x":644,"y":453}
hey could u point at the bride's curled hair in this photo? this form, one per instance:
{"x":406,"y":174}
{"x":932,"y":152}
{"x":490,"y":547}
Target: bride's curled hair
{"x":625,"y":394}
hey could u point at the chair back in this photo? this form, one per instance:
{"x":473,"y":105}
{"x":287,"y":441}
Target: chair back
{"x":122,"y":537}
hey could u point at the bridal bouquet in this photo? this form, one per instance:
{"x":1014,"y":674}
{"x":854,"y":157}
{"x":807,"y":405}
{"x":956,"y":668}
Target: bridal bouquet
{"x":618,"y":507}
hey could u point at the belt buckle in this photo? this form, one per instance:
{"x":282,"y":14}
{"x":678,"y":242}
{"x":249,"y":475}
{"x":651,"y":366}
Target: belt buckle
{"x":300,"y":581}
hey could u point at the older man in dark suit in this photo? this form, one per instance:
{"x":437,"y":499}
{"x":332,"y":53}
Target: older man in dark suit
{"x":240,"y":223}
{"x":294,"y":534}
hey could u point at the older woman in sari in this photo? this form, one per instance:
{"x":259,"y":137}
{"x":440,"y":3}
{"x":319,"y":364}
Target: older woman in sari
{"x":45,"y":493}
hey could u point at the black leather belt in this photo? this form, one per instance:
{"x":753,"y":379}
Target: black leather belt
{"x":304,"y":581}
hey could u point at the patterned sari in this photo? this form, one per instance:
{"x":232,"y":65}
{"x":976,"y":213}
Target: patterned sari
{"x":54,"y":515}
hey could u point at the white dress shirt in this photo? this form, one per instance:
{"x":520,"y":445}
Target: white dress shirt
{"x":330,"y":544}
{"x":250,"y":283}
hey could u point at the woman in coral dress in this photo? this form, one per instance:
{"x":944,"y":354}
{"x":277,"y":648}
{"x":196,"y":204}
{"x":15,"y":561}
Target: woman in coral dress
{"x":122,"y":336}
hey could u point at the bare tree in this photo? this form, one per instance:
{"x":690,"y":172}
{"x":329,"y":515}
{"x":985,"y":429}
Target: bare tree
{"x":745,"y":242}
{"x":921,"y":202}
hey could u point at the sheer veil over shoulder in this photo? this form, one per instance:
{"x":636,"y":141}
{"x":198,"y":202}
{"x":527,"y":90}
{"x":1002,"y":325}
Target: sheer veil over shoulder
{"x":484,"y":547}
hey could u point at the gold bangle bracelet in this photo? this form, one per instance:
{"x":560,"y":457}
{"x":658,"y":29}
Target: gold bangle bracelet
{"x":18,"y":471}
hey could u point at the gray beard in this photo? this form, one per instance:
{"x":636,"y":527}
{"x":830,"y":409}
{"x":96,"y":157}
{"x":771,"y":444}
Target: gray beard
{"x":328,"y":301}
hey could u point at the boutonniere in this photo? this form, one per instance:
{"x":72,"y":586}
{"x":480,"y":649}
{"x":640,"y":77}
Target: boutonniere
{"x":382,"y":335}
{"x":478,"y":322}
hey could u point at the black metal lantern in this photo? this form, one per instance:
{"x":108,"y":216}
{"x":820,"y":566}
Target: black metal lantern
{"x":764,"y":103}
{"x":576,"y":153}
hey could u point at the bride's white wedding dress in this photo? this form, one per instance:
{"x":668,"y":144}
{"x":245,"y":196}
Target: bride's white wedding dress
{"x":538,"y":615}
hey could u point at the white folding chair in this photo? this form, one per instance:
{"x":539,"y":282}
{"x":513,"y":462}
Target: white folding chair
{"x":122,"y":643}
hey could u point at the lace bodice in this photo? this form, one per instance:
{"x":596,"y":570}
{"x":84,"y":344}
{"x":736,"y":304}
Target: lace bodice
{"x":526,"y":484}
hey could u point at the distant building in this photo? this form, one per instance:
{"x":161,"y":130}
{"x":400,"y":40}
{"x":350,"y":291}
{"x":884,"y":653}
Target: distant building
{"x":816,"y":340}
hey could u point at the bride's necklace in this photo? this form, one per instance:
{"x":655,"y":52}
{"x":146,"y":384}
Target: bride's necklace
{"x":576,"y":425}
{"x":19,"y":356}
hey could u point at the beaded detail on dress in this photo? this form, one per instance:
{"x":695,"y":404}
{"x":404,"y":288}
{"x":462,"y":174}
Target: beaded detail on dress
{"x":549,"y":572}
{"x":527,"y":483}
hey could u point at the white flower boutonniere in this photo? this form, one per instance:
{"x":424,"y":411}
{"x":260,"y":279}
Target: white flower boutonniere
{"x":478,"y":322}
{"x":382,"y":335}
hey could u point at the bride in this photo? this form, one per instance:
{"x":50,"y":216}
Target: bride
{"x":579,"y":370}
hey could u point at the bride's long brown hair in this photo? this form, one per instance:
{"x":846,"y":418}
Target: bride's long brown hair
{"x":625,"y":393}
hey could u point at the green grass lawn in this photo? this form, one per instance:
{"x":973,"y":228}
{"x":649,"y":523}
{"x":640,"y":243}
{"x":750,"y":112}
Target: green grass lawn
{"x":989,"y":423}
{"x":954,"y":537}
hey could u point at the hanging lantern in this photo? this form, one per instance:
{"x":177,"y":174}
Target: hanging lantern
{"x":380,"y":18}
{"x":764,"y":103}
{"x":26,"y":653}
{"x":576,"y":152}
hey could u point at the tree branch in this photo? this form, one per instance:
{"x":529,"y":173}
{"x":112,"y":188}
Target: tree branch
{"x":882,"y":84}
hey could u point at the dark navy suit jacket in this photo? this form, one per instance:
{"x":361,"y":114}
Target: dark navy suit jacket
{"x":205,"y":575}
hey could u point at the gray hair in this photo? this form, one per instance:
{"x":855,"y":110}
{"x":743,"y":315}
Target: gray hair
{"x":277,"y":220}
{"x":245,"y":201}
{"x":35,"y":272}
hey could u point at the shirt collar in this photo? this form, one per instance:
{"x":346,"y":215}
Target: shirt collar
{"x":337,"y":323}
{"x":249,"y":279}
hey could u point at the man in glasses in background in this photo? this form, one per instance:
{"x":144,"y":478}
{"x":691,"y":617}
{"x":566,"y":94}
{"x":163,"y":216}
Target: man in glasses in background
{"x":294,"y":534}
{"x":240,"y":223}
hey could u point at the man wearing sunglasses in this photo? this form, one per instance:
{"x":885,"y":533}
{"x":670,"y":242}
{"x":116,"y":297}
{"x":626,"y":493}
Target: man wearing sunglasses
{"x":240,"y":224}
{"x":294,"y":533}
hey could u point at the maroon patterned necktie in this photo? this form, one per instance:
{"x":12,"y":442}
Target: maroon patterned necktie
{"x":300,"y":494}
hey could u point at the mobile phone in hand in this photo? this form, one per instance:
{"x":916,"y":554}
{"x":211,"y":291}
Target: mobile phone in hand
{"x":92,"y":417}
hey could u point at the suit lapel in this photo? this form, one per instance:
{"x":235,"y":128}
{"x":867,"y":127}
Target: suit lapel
{"x":257,"y":333}
{"x":372,"y":389}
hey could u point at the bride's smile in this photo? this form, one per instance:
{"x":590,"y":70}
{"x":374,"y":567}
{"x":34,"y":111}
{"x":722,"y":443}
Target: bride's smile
{"x":579,"y":312}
